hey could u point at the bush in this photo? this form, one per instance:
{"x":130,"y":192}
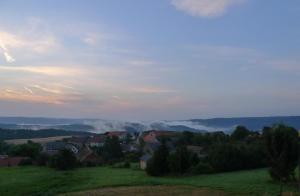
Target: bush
{"x":133,"y":156}
{"x":30,"y":149}
{"x":64,"y":160}
{"x":240,"y":133}
{"x":125,"y":164}
{"x":201,"y":168}
{"x":42,"y":159}
{"x":26,"y":162}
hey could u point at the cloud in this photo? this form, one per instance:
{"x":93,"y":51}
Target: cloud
{"x":18,"y":95}
{"x":285,"y":65}
{"x":45,"y":70}
{"x":28,"y":43}
{"x":7,"y":55}
{"x":47,"y":90}
{"x":28,"y":90}
{"x":152,"y":90}
{"x":204,"y":8}
{"x":141,"y":63}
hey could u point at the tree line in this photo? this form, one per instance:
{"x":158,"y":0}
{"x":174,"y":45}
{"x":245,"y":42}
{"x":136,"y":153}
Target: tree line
{"x":276,"y":148}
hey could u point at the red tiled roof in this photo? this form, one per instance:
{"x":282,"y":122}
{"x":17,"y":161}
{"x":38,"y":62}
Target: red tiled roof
{"x":152,"y":135}
{"x":115,"y":133}
{"x":11,"y":161}
{"x":97,"y":139}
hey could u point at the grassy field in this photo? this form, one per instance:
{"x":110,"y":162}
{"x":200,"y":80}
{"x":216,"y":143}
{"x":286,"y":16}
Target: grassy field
{"x":159,"y":190}
{"x":45,"y":181}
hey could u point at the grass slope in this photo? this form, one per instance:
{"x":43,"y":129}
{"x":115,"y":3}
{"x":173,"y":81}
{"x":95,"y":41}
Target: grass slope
{"x":45,"y":181}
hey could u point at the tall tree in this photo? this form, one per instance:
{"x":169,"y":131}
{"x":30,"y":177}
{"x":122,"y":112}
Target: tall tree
{"x":240,"y":133}
{"x":180,"y":161}
{"x":158,"y":164}
{"x":112,"y":150}
{"x":64,"y":160}
{"x":282,"y":151}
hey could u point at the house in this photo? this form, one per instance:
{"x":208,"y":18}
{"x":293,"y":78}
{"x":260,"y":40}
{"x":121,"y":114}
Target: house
{"x":78,"y":140}
{"x":12,"y":161}
{"x":198,"y":150}
{"x":52,"y":148}
{"x":72,"y":147}
{"x":150,"y":148}
{"x":144,"y":160}
{"x":120,"y":134}
{"x":153,"y":136}
{"x":96,"y":141}
{"x":86,"y":156}
{"x":129,"y":148}
{"x":150,"y":138}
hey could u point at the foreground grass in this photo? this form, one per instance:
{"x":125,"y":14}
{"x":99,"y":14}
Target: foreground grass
{"x":160,"y":190}
{"x":45,"y":181}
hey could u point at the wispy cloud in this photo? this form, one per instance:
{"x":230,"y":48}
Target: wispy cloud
{"x":28,"y":90}
{"x":45,"y":70}
{"x":28,"y":42}
{"x":18,"y":95}
{"x":47,"y":90}
{"x":7,"y":55}
{"x":205,"y":8}
{"x":152,"y":90}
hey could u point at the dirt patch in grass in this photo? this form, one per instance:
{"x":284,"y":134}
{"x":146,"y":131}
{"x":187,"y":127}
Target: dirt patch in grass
{"x":149,"y":191}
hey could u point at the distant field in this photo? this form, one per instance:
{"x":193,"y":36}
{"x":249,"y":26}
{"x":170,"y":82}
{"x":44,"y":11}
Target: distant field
{"x":45,"y":181}
{"x":36,"y":140}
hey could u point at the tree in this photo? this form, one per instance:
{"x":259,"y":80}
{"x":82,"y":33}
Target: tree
{"x":226,"y":157}
{"x":240,"y":133}
{"x":128,"y":138}
{"x":112,"y":150}
{"x":158,"y":164}
{"x":186,"y":138}
{"x":180,"y":161}
{"x":282,"y":150}
{"x":4,"y":147}
{"x":64,"y":160}
{"x":30,"y":149}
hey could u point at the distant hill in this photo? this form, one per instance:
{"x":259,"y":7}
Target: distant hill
{"x":6,"y":134}
{"x":101,"y":126}
{"x":253,"y":123}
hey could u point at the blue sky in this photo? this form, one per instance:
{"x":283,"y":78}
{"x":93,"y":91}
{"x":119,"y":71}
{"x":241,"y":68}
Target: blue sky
{"x":149,"y":60}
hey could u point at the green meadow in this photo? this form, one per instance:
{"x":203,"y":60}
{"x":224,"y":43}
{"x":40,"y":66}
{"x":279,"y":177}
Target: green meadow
{"x":31,"y":180}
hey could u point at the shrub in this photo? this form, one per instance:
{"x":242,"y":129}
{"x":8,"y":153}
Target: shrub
{"x":29,"y":149}
{"x":201,"y":168}
{"x":64,"y":160}
{"x":42,"y":159}
{"x":26,"y":162}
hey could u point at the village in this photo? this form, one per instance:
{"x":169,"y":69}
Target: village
{"x":142,"y":146}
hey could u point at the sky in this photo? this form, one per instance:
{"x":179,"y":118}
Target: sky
{"x":149,"y":60}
